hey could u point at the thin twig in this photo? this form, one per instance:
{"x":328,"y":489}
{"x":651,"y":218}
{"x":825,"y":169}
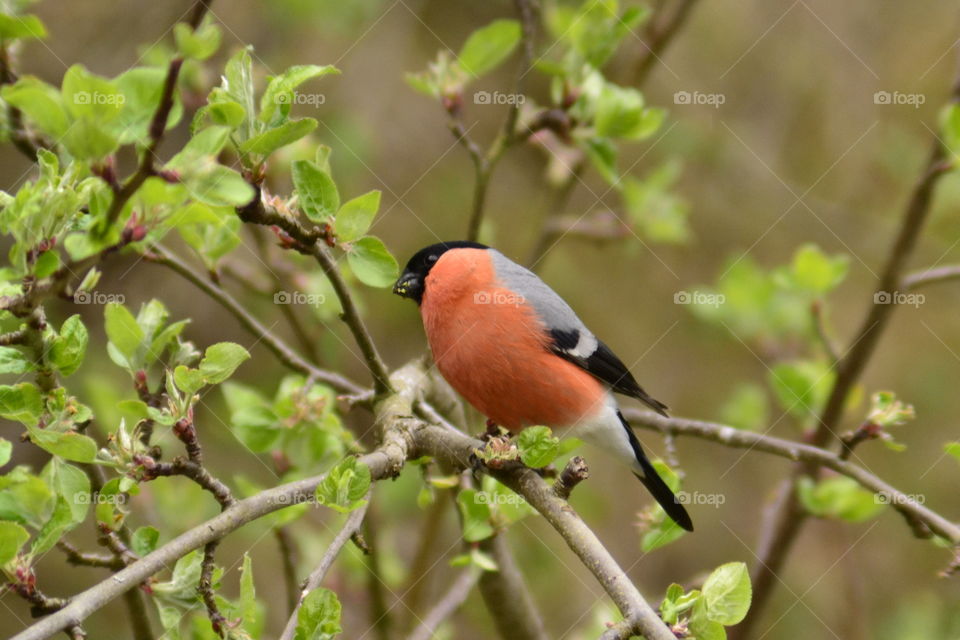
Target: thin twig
{"x":79,"y":558}
{"x":930,"y":276}
{"x":257,"y":212}
{"x":284,"y":353}
{"x":158,"y":125}
{"x":485,"y":162}
{"x":351,"y":526}
{"x":192,"y":470}
{"x":205,"y":588}
{"x":661,"y":30}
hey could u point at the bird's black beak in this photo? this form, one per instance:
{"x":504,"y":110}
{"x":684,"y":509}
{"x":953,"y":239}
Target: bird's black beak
{"x":409,"y":286}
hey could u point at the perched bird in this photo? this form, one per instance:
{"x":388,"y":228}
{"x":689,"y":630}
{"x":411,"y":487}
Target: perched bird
{"x":512,"y":347}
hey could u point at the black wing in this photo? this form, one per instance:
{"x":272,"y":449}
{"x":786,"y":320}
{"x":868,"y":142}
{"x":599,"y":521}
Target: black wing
{"x":604,"y":365}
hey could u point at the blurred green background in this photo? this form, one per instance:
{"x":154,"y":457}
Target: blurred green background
{"x":798,"y":152}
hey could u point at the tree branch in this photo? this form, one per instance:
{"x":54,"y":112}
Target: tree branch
{"x":811,"y":456}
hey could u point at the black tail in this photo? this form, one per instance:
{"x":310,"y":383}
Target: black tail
{"x":655,"y":484}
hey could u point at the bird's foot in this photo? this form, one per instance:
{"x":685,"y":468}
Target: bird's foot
{"x":493,"y":431}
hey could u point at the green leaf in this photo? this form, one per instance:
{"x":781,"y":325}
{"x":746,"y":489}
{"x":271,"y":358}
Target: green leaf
{"x":318,"y":193}
{"x":815,"y":272}
{"x":69,"y":445}
{"x":87,"y":139}
{"x":538,"y":447}
{"x":218,"y":186}
{"x":488,"y":46}
{"x":839,"y":497}
{"x":238,"y":86}
{"x":144,"y":540}
{"x":12,"y":360}
{"x":603,"y":156}
{"x":319,"y":616}
{"x":701,"y":626}
{"x":206,"y":142}
{"x":12,"y":537}
{"x":356,"y":216}
{"x":199,"y":44}
{"x":801,"y":386}
{"x":6,"y":450}
{"x":249,"y":612}
{"x":87,"y":95}
{"x":221,"y":360}
{"x":660,"y":535}
{"x":272,"y":139}
{"x":620,"y":113}
{"x":24,"y":26}
{"x":187,"y":379}
{"x":21,"y":402}
{"x":278,"y":96}
{"x":42,"y":104}
{"x":123,"y":332}
{"x":73,"y":485}
{"x":475,"y":509}
{"x":46,"y":264}
{"x":372,"y":263}
{"x":53,"y":529}
{"x":182,"y":585}
{"x":228,"y":113}
{"x":68,"y":349}
{"x":345,"y":486}
{"x":727,"y":593}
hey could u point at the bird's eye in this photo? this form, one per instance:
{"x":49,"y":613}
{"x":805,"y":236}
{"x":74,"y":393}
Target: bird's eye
{"x":432,"y":257}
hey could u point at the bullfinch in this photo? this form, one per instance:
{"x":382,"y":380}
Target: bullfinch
{"x":518,"y":353}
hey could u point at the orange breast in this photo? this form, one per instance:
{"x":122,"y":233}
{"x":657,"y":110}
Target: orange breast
{"x":492,"y":348}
